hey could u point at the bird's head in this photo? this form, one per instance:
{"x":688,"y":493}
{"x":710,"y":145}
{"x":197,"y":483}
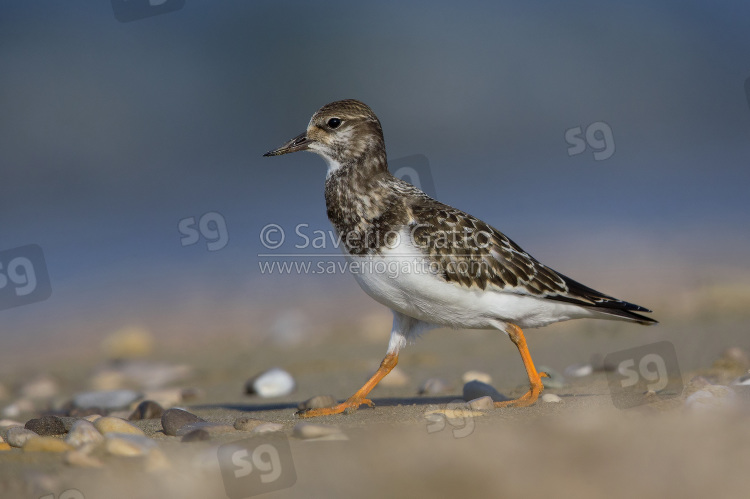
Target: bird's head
{"x":344,"y":132}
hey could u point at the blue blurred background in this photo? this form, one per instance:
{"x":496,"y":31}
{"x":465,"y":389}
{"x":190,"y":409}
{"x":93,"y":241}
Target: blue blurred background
{"x":112,"y":133}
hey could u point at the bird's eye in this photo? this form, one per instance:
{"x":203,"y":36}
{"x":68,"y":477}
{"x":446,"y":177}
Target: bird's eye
{"x":334,"y":122}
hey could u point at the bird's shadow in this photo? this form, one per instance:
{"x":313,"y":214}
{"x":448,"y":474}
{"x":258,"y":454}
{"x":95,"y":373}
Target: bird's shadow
{"x":379,"y":402}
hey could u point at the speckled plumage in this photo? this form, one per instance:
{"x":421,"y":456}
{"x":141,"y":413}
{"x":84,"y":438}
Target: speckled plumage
{"x":476,"y":277}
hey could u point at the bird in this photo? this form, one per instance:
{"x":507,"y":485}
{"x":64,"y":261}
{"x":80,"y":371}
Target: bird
{"x":431,"y":264}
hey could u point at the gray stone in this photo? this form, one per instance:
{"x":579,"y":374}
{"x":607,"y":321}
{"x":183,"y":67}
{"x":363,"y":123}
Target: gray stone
{"x":174,"y":419}
{"x":148,"y":409}
{"x":317,"y":402}
{"x":476,"y":389}
{"x":551,"y":398}
{"x":46,"y":425}
{"x":109,"y":400}
{"x":83,"y":432}
{"x":17,"y":436}
{"x":268,"y":428}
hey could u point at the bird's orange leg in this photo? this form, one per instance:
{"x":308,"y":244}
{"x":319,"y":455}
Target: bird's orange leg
{"x":535,"y":378}
{"x":359,"y":398}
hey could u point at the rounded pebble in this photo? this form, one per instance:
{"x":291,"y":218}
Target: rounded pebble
{"x":148,"y":409}
{"x":109,"y":399}
{"x":41,"y":387}
{"x":125,"y":444}
{"x":246,"y":423}
{"x":17,"y":436}
{"x":476,"y":389}
{"x":551,"y":397}
{"x":469,"y":376}
{"x":109,"y":424}
{"x":433,"y":386}
{"x":579,"y":370}
{"x":275,"y":382}
{"x":165,"y":398}
{"x":174,"y":419}
{"x":554,"y":379}
{"x":46,"y":425}
{"x":5,"y":446}
{"x":46,"y":444}
{"x":83,"y":432}
{"x":317,"y":402}
{"x":310,"y":430}
{"x":482,"y":404}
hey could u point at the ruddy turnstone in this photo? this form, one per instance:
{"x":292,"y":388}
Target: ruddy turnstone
{"x":438,"y":265}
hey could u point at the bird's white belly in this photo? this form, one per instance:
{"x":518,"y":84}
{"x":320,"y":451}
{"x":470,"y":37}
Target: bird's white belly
{"x":401,"y":280}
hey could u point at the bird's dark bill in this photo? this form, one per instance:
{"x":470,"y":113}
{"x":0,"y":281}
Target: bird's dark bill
{"x":298,"y":143}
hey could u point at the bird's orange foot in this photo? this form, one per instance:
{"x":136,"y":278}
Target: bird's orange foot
{"x":528,"y":398}
{"x":347,"y":407}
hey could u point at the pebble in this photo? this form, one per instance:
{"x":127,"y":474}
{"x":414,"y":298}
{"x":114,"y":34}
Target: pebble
{"x":733,"y":358}
{"x":46,"y":444}
{"x":68,"y":422}
{"x":481,"y":404}
{"x":275,"y":382}
{"x":742,"y":380}
{"x":46,"y":425}
{"x":551,"y":397}
{"x":166,"y":397}
{"x":83,"y":432}
{"x":198,"y":435}
{"x":476,"y":389}
{"x":174,"y":419}
{"x":555,"y":379}
{"x":191,"y":394}
{"x":207,"y":426}
{"x":5,"y":446}
{"x":268,"y":428}
{"x":308,"y":431}
{"x":108,"y":400}
{"x":579,"y":370}
{"x":469,"y":376}
{"x":433,"y":386}
{"x":6,"y":423}
{"x":317,"y":402}
{"x":395,"y":379}
{"x":41,"y":387}
{"x":711,"y":397}
{"x":92,"y":417}
{"x":17,"y":436}
{"x":246,"y":423}
{"x":148,"y":409}
{"x":125,"y":444}
{"x":109,"y":424}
